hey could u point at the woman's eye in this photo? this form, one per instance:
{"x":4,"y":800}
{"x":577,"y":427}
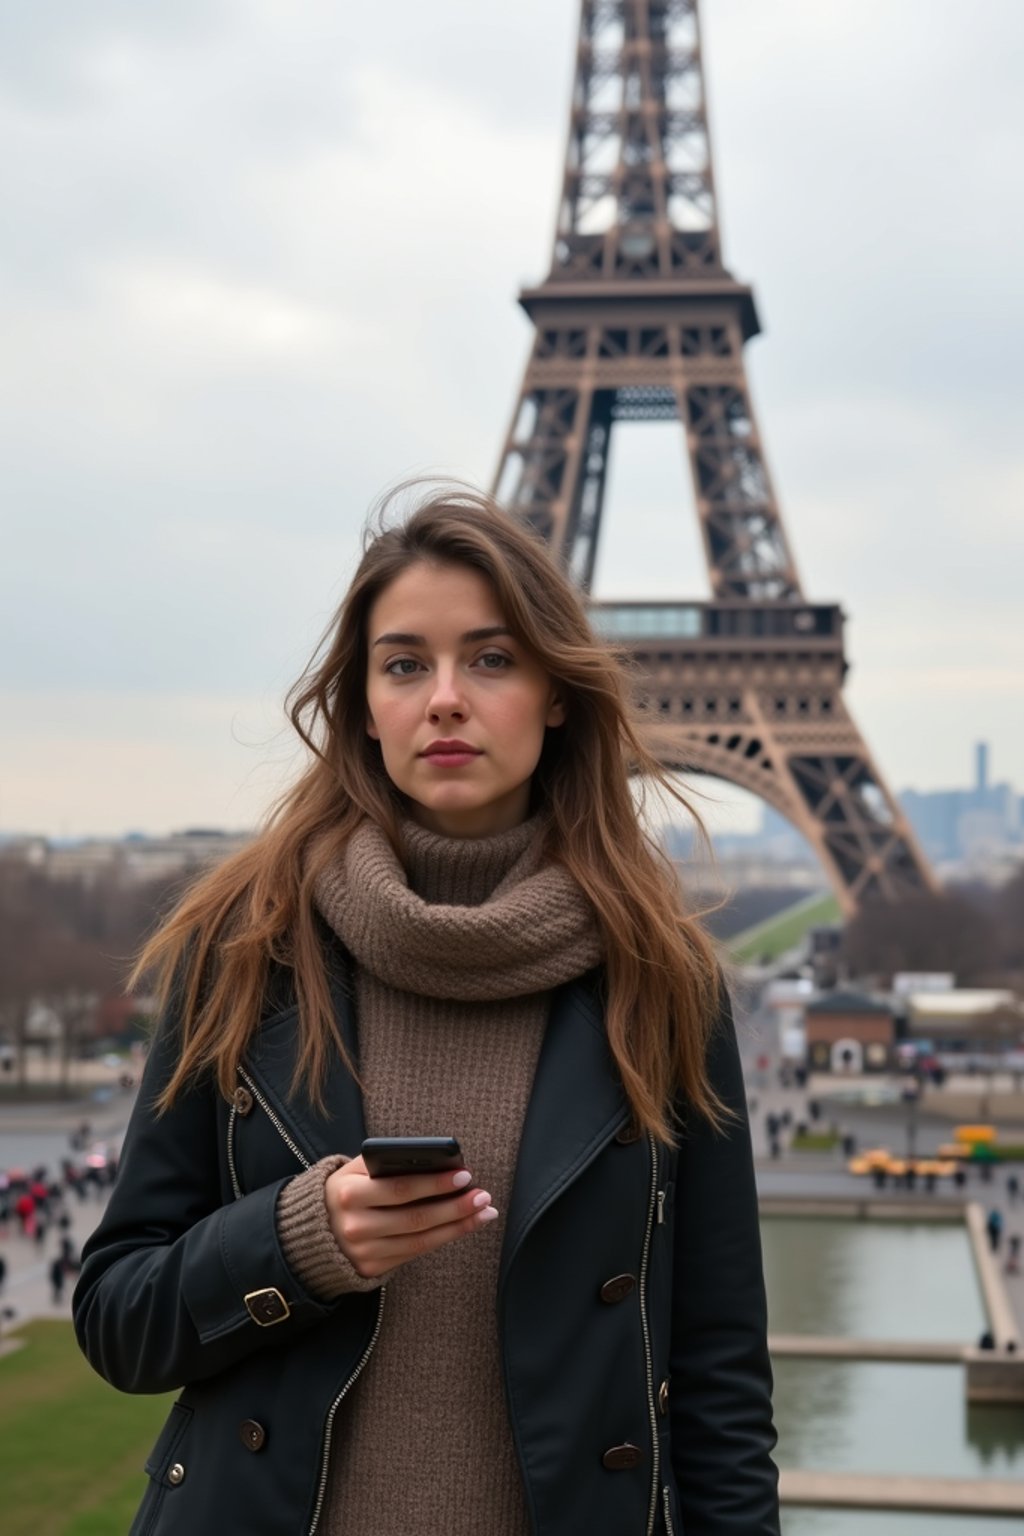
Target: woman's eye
{"x":495,"y":656}
{"x":401,"y":661}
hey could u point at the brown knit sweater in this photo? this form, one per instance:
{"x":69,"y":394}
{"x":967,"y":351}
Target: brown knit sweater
{"x":457,"y":947}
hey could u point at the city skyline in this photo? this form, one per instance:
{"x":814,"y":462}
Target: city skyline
{"x":241,"y":245}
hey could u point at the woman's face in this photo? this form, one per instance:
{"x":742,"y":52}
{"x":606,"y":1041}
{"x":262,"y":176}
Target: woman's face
{"x":426,"y":681}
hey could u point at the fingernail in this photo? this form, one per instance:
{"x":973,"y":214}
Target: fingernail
{"x":483,"y":1198}
{"x":462,"y":1178}
{"x":489,"y":1215}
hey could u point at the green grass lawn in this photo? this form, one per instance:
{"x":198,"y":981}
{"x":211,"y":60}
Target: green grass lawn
{"x":815,"y":1141}
{"x":71,"y":1448}
{"x":778,"y":934}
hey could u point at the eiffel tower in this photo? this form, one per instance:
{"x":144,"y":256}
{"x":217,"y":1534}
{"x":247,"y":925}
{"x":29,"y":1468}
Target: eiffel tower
{"x":639,"y":320}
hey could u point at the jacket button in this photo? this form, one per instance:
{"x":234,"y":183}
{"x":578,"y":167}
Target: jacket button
{"x":663,"y":1397}
{"x":176,"y":1474}
{"x":620,"y":1458}
{"x":628,"y":1133}
{"x":617,"y":1288}
{"x":253,"y":1435}
{"x":242,"y":1101}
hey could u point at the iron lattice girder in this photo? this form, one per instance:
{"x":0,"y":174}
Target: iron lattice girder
{"x":624,"y":360}
{"x":638,"y":320}
{"x":638,"y":169}
{"x":752,"y":693}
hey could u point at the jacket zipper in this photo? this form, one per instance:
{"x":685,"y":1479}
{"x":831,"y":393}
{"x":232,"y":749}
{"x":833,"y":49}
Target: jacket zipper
{"x":290,"y":1143}
{"x":670,"y":1529}
{"x":274,"y":1119}
{"x":645,"y":1326}
{"x":329,"y":1424}
{"x":235,"y":1186}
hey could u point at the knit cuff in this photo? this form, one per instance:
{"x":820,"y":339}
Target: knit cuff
{"x":307,"y":1240}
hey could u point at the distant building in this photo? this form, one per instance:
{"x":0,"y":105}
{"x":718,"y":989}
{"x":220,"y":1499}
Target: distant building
{"x":906,"y":982}
{"x":976,"y":827}
{"x":984,"y":1020}
{"x":850,"y":1033}
{"x":130,"y":860}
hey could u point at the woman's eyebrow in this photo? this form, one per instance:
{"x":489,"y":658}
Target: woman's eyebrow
{"x":396,"y":637}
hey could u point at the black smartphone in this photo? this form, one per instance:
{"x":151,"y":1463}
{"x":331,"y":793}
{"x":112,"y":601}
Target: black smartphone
{"x":386,"y":1156}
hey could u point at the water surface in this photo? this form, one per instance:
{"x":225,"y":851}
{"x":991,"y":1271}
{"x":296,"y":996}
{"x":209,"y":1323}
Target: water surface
{"x":881,"y":1280}
{"x":871,"y":1280}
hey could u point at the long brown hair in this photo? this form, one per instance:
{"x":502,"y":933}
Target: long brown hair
{"x":660,"y":975}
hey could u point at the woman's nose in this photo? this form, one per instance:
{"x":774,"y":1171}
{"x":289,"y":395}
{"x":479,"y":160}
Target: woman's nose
{"x":446,"y":692}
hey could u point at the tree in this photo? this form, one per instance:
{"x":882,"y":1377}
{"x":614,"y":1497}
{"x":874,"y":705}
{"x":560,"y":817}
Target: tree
{"x":66,"y":944}
{"x":947,"y":931}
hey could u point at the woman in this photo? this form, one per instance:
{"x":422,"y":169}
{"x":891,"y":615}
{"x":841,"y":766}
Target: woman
{"x":478,"y":942}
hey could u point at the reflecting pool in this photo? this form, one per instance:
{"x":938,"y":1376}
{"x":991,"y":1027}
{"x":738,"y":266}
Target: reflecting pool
{"x":871,"y":1279}
{"x":881,"y":1280}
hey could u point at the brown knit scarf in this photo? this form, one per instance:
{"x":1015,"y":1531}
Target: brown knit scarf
{"x":457,"y":946}
{"x":534,"y":930}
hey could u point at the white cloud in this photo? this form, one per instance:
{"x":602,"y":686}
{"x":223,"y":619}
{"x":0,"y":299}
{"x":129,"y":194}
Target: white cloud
{"x":209,"y":321}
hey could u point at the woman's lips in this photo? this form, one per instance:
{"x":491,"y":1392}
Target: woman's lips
{"x":451,"y":759}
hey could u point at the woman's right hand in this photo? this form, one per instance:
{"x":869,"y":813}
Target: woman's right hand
{"x":381,"y":1223}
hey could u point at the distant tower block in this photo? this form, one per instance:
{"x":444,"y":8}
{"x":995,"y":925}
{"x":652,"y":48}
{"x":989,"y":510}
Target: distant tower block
{"x":981,"y":751}
{"x":639,"y":320}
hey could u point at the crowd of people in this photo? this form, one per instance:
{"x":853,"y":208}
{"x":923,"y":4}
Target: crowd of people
{"x":35,"y":1207}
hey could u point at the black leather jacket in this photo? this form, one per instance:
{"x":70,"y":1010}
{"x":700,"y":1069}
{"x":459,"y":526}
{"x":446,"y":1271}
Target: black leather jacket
{"x":637,"y":1406}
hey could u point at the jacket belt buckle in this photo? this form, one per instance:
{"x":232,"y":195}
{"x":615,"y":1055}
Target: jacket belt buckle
{"x":267,"y":1306}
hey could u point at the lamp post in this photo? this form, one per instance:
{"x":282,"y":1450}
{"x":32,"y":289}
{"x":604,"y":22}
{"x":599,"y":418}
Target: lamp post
{"x":911,"y":1094}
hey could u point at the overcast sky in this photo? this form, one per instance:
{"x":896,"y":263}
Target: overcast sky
{"x":259,"y":259}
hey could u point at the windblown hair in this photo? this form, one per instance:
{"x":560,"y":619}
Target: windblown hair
{"x":660,"y":977}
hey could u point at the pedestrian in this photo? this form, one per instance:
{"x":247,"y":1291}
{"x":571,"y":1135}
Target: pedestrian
{"x":994,"y":1228}
{"x":3,"y":1273}
{"x":1012,"y":1188}
{"x":1012,"y":1265}
{"x":57,"y":1281}
{"x":569,"y":1332}
{"x":25,"y":1210}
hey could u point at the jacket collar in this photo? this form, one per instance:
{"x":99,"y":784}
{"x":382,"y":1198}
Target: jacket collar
{"x":576,"y":1105}
{"x":272,"y":1057}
